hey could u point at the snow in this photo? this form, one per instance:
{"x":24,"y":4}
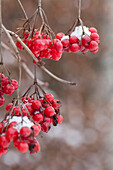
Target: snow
{"x":78,"y":32}
{"x":25,"y":123}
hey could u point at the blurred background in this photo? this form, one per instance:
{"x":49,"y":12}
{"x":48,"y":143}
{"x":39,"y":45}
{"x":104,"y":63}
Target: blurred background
{"x":85,"y":139}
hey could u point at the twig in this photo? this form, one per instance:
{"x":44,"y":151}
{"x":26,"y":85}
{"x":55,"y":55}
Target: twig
{"x":35,"y":59}
{"x":25,"y":15}
{"x":79,"y":8}
{"x":1,"y":57}
{"x":25,"y":67}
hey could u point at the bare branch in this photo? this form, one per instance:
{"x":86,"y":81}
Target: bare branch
{"x":21,"y":6}
{"x":25,"y":67}
{"x":35,"y":59}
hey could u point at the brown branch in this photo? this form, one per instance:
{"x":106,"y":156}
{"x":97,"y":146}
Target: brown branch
{"x":35,"y":59}
{"x":21,"y":6}
{"x":25,"y":67}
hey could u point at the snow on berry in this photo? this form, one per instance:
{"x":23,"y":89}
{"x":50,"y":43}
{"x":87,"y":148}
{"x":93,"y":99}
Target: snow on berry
{"x":81,"y":39}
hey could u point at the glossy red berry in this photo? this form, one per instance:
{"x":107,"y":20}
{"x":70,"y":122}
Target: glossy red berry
{"x":60,"y":35}
{"x":36,"y":104}
{"x":38,"y":117}
{"x":45,"y":126}
{"x":93,"y":45}
{"x":4,"y":142}
{"x":11,"y":133}
{"x":2,"y":101}
{"x":15,"y":84}
{"x":8,"y":106}
{"x":23,"y":147}
{"x":49,"y":97}
{"x":36,"y":129}
{"x":86,"y":41}
{"x":25,"y":131}
{"x":9,"y":89}
{"x":73,"y":39}
{"x":75,"y":48}
{"x":49,"y":111}
{"x":92,"y":30}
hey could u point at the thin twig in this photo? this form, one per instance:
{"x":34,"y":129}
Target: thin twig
{"x":25,"y":67}
{"x":36,"y":60}
{"x":79,"y":8}
{"x":1,"y":57}
{"x":25,"y":15}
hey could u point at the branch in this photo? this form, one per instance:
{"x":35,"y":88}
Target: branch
{"x":25,"y":67}
{"x":1,"y":57}
{"x":21,"y":6}
{"x":36,"y":60}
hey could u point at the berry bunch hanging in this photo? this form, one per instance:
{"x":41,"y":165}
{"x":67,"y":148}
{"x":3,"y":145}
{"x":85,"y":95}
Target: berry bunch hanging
{"x":22,"y":132}
{"x":42,"y":46}
{"x":81,"y":39}
{"x":26,"y":118}
{"x":7,"y":86}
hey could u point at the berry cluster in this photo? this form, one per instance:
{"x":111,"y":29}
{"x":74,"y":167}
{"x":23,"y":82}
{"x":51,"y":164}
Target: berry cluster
{"x":81,"y":39}
{"x":41,"y":45}
{"x":25,"y":121}
{"x":44,"y":110}
{"x":7,"y":86}
{"x":22,"y":132}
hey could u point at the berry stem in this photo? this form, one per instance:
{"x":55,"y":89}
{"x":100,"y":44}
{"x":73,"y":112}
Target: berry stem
{"x":79,"y":9}
{"x":21,"y":6}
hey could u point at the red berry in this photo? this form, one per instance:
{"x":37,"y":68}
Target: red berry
{"x":93,"y":45}
{"x":73,"y":39}
{"x":86,"y":41}
{"x":57,"y":45}
{"x":60,"y":35}
{"x":11,"y":133}
{"x":49,"y":97}
{"x":22,"y":147}
{"x":4,"y":142}
{"x":9,"y":89}
{"x":36,"y":104}
{"x":75,"y":48}
{"x":95,"y":51}
{"x":45,"y":126}
{"x":5,"y":81}
{"x":94,"y":36}
{"x":92,"y":30}
{"x":38,"y":117}
{"x":65,"y":43}
{"x":60,"y":118}
{"x":12,"y":124}
{"x":15,"y":84}
{"x":19,"y":45}
{"x":25,"y":113}
{"x":16,"y":141}
{"x":25,"y":131}
{"x":56,"y":104}
{"x":34,"y":147}
{"x":49,"y":111}
{"x":2,"y":101}
{"x":8,"y":106}
{"x":1,"y":127}
{"x":29,"y":108}
{"x":36,"y":129}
